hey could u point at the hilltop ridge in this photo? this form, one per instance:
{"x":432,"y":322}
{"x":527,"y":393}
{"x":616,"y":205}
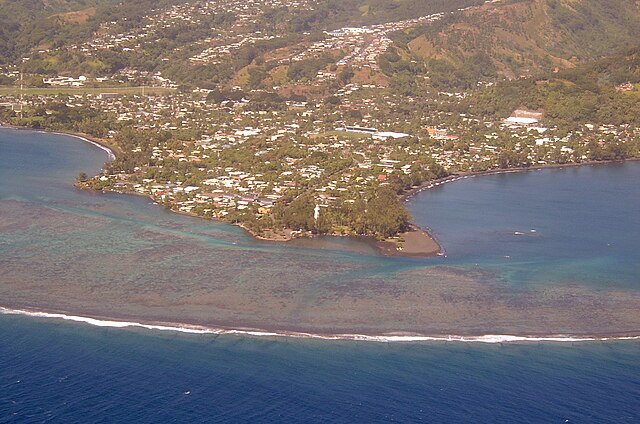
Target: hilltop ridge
{"x":520,"y":38}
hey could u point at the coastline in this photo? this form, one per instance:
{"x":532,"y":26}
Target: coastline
{"x":572,"y":312}
{"x":424,"y":245}
{"x":111,"y":149}
{"x":98,"y":142}
{"x":417,"y":242}
{"x":408,"y":194}
{"x":390,"y":337}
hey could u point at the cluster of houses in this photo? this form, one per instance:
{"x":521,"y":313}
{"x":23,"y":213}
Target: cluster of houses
{"x":288,"y":148}
{"x":65,"y":81}
{"x":246,"y":13}
{"x":321,"y":136}
{"x":223,"y":49}
{"x":230,"y":190}
{"x":125,"y":76}
{"x":362,"y":44}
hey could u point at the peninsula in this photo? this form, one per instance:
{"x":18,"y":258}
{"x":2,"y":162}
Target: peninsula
{"x":312,"y":121}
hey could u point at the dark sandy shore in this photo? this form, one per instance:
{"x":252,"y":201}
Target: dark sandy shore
{"x":408,"y":194}
{"x":415,"y":242}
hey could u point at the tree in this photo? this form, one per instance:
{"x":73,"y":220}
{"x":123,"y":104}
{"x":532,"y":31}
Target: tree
{"x":346,"y":75}
{"x":82,"y":177}
{"x":385,"y":215}
{"x":298,"y":215}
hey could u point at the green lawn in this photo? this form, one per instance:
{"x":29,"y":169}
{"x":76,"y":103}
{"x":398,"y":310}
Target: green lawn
{"x":31,"y":91}
{"x":346,"y":134}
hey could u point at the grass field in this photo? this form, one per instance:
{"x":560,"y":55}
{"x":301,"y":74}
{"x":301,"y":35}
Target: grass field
{"x":346,"y":134}
{"x":31,"y":91}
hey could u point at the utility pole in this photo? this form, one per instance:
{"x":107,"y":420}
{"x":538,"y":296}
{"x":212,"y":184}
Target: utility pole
{"x":21,"y":95}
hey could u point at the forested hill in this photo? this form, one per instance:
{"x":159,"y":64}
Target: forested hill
{"x":484,"y":41}
{"x":30,"y":25}
{"x":25,"y":24}
{"x":514,"y":38}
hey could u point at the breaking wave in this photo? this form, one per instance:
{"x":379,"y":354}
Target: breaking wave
{"x":386,"y":338}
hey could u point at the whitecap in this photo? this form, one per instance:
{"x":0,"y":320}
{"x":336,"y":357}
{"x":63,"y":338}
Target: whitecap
{"x":388,"y":338}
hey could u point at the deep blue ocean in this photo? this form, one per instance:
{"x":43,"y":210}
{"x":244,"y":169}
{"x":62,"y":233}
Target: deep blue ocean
{"x":60,"y":372}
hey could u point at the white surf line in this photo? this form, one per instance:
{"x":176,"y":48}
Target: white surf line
{"x":195,"y":329}
{"x":112,"y":155}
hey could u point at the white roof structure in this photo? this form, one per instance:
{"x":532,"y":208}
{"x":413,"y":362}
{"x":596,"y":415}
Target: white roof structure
{"x":389,"y":134}
{"x":521,"y":121}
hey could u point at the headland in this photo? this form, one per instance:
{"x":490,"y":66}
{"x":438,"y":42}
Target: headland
{"x":413,"y":242}
{"x":119,"y":260}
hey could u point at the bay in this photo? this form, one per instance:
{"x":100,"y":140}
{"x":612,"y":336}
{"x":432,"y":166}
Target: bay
{"x":555,"y":244}
{"x":118,"y":256}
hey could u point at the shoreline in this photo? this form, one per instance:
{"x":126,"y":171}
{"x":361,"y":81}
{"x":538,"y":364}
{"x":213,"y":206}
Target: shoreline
{"x":98,"y":142}
{"x":389,"y":337}
{"x":111,"y":149}
{"x":426,"y":245}
{"x":409,"y":194}
{"x":369,"y":330}
{"x":417,"y":242}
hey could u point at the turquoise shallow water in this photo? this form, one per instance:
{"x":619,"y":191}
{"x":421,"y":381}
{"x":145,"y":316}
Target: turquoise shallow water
{"x":535,"y":253}
{"x":575,"y":224}
{"x":122,"y":256}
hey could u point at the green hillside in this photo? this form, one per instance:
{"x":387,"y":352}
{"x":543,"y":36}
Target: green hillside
{"x":57,"y":25}
{"x":604,"y":91}
{"x":30,"y":25}
{"x":24,"y":24}
{"x":521,"y":37}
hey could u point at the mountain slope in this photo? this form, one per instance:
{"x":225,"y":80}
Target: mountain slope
{"x":520,"y":38}
{"x":27,"y":25}
{"x":602,"y":92}
{"x":24,"y":24}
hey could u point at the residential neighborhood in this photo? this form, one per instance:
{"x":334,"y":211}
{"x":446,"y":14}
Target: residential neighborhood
{"x":321,"y":120}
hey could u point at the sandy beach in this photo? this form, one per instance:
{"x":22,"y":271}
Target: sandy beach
{"x":110,"y":147}
{"x":415,"y":242}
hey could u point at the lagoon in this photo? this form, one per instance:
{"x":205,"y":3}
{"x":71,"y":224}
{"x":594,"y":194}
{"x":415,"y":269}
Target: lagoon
{"x":112,"y":256}
{"x":544,"y":253}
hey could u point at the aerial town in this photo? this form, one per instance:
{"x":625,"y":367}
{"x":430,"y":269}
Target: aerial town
{"x":330,"y":139}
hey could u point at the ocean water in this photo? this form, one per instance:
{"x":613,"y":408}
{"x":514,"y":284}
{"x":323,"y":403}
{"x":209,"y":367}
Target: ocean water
{"x":58,"y":372}
{"x":573,"y":224}
{"x":119,"y":257}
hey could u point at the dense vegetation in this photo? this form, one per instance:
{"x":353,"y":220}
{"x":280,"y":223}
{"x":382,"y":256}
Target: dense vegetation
{"x":588,"y":93}
{"x":29,"y":25}
{"x":519,"y":38}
